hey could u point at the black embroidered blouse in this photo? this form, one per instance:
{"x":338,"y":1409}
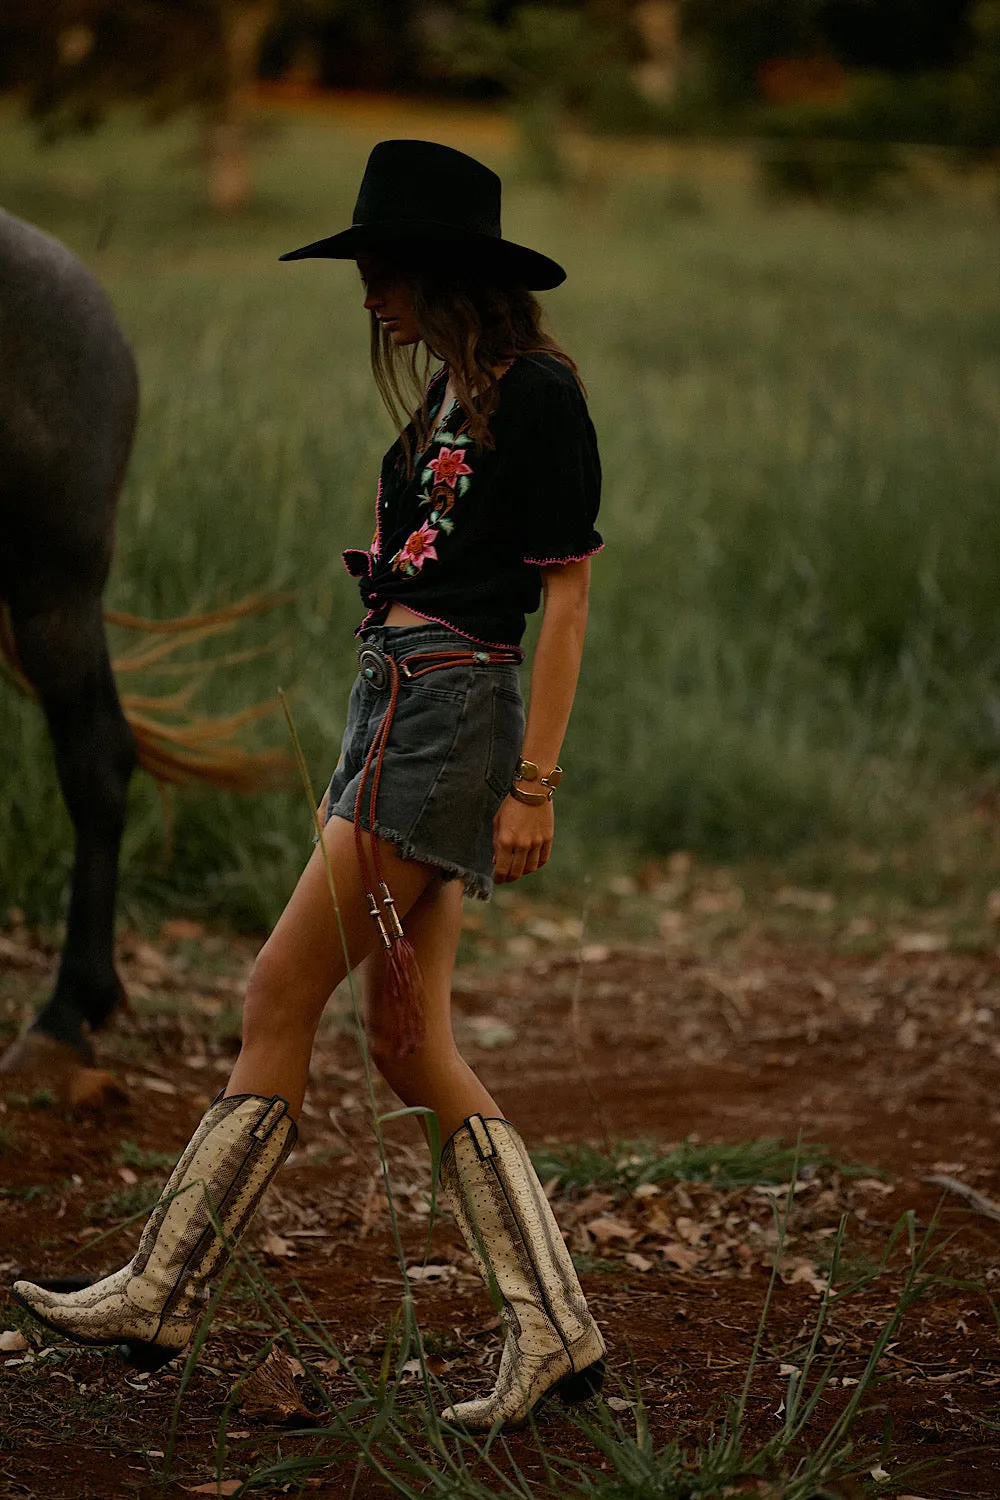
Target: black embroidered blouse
{"x":463,"y":540}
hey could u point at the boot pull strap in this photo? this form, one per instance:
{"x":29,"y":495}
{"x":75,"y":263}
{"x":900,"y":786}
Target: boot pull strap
{"x":270,"y":1119}
{"x":481,"y":1137}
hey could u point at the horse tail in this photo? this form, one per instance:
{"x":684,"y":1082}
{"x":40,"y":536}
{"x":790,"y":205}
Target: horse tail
{"x":174,"y":745}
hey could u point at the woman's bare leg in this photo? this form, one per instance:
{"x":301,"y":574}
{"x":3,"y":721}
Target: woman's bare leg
{"x":303,"y":961}
{"x":436,"y":1075}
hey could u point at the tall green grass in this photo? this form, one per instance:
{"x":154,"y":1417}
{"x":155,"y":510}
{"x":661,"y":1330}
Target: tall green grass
{"x":793,"y":636}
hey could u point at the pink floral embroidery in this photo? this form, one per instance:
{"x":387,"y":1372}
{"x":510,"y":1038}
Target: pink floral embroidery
{"x":448,"y":466}
{"x":418,"y":547}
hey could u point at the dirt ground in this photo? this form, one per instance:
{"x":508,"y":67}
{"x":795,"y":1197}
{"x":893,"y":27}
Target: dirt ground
{"x":888,"y":1058}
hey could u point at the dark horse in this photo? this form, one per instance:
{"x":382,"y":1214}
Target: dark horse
{"x":68,"y":404}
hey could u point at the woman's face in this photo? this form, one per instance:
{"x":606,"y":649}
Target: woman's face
{"x":388,"y":297}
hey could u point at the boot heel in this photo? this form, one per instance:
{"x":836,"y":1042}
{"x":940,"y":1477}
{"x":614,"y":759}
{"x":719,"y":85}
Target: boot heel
{"x":583,"y":1385}
{"x":147,"y":1357}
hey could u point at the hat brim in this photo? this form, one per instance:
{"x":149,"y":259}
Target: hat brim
{"x":516,"y":263}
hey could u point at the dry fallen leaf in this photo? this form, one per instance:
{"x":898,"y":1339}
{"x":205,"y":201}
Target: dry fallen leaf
{"x":638,"y":1262}
{"x":921,"y":942}
{"x":214,"y":1487}
{"x":429,"y":1273}
{"x":594,"y":1203}
{"x":908,"y":1035}
{"x":594,"y":953}
{"x":11,"y":1341}
{"x":658,"y":1222}
{"x":689,"y":1230}
{"x":276,"y":1246}
{"x":681,"y":1256}
{"x":605,"y":1229}
{"x":157,"y":1085}
{"x":795,"y":1268}
{"x":127,"y":1176}
{"x":269,"y":1393}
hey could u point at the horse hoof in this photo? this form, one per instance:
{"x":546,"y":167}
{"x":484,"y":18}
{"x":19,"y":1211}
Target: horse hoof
{"x":92,"y":1091}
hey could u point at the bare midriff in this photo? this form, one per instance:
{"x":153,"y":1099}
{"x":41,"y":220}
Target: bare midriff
{"x":400,"y":615}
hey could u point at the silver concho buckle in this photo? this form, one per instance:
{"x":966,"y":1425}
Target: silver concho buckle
{"x":373,"y":667}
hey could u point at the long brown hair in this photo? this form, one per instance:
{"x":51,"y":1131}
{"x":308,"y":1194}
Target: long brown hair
{"x":468,"y":318}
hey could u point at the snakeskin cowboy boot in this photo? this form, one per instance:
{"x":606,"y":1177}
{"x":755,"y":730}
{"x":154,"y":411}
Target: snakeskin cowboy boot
{"x":153,"y":1305}
{"x":553,"y":1346}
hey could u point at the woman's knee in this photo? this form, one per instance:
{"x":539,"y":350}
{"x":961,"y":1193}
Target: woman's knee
{"x":418,"y":1076}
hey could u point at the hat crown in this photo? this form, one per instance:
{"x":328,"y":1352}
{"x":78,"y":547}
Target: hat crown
{"x":419,"y":180}
{"x":423,"y":193}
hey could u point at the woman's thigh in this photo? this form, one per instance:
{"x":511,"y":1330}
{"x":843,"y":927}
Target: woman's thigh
{"x":323,"y":932}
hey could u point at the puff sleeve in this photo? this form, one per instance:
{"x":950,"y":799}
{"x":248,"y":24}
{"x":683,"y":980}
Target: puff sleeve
{"x":561,"y":479}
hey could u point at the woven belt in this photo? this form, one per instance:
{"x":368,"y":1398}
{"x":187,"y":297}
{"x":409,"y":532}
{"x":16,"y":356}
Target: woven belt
{"x":384,"y":673}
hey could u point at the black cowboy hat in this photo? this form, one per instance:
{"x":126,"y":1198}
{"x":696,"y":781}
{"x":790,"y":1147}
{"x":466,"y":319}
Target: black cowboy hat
{"x":420,"y":191}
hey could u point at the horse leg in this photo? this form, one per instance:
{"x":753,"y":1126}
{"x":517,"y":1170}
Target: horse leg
{"x":64,"y":654}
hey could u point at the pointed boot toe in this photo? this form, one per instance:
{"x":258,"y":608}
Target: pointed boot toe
{"x":152,"y":1306}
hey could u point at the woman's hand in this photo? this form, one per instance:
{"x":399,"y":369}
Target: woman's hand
{"x":522,"y":839}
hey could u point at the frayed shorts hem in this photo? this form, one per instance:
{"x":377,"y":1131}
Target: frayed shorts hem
{"x":473,"y":883}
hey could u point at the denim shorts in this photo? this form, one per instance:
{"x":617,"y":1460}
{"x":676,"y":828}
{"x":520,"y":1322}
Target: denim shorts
{"x":449,"y":760}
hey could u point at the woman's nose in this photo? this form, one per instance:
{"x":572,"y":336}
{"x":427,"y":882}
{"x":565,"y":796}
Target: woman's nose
{"x":373,"y":300}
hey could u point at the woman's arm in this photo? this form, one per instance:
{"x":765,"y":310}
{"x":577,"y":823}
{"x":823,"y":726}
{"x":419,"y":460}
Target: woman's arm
{"x":522,"y":836}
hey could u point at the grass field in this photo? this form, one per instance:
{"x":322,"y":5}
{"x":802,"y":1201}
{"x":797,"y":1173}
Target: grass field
{"x":793,"y":649}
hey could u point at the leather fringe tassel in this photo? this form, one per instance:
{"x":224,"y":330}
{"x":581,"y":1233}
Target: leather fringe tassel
{"x":406,"y":997}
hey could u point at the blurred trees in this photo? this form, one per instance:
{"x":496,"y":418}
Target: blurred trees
{"x":732,"y":40}
{"x":544,"y":57}
{"x":852,"y":70}
{"x":75,"y":59}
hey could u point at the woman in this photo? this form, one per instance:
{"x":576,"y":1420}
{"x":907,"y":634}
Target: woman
{"x":486,"y":500}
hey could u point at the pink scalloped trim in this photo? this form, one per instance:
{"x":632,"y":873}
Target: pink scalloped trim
{"x":377,"y":544}
{"x":547,"y":562}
